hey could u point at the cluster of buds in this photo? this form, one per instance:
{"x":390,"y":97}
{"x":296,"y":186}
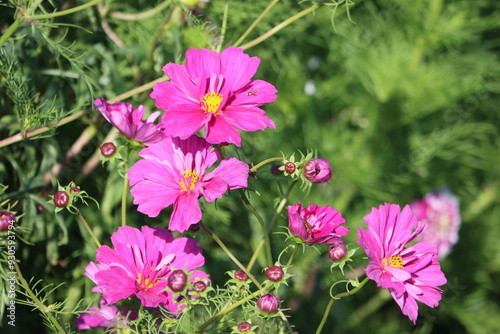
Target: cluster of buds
{"x":65,"y":197}
{"x":307,"y":168}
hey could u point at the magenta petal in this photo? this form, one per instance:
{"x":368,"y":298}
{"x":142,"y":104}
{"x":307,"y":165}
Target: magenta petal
{"x":248,"y":118}
{"x":186,"y":212}
{"x":202,"y":63}
{"x":183,"y":120}
{"x":220,"y":131}
{"x":116,"y":284}
{"x":234,"y":172}
{"x":232,"y":58}
{"x":214,"y":188}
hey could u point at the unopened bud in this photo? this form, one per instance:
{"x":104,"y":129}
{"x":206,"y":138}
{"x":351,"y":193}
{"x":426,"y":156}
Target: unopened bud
{"x":290,"y":167}
{"x":61,"y":198}
{"x":240,"y":275}
{"x":274,"y":273}
{"x":337,"y":251}
{"x":317,"y":170}
{"x":177,"y":280}
{"x":244,"y":326}
{"x":6,"y":219}
{"x":268,"y":303}
{"x":108,"y":149}
{"x":199,"y":286}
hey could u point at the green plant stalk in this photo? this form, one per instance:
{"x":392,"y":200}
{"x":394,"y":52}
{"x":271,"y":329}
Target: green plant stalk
{"x":254,"y":24}
{"x":262,"y":163}
{"x":279,"y":27}
{"x":338,"y":296}
{"x":142,"y":15}
{"x":227,"y":309}
{"x":224,"y":26}
{"x":124,"y":201}
{"x":87,"y":227}
{"x":231,"y":256}
{"x":64,"y":12}
{"x":12,"y":29}
{"x":37,"y":301}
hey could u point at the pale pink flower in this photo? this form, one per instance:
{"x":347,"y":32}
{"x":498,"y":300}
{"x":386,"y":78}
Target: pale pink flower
{"x":129,"y":121}
{"x":214,"y":92}
{"x":409,"y":273}
{"x":174,"y":172}
{"x":439,"y":212}
{"x":140,"y":264}
{"x":105,"y":316}
{"x":316,"y":224}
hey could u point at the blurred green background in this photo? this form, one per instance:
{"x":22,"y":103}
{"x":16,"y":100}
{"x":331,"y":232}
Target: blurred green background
{"x":400,"y":96}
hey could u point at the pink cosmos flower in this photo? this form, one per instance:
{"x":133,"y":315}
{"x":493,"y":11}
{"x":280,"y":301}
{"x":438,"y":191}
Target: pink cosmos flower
{"x":105,"y":316}
{"x":439,"y":212}
{"x":174,"y":171}
{"x":215,"y":92}
{"x":409,"y":273}
{"x":140,"y":264}
{"x":129,"y":121}
{"x":316,"y":225}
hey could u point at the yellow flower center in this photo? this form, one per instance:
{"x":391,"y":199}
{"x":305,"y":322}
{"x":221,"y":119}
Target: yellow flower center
{"x":394,"y":261}
{"x":211,"y":103}
{"x":189,"y":182}
{"x":145,"y":284}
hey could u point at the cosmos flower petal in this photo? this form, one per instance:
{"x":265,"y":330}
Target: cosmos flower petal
{"x":232,"y":58}
{"x":186,"y":212}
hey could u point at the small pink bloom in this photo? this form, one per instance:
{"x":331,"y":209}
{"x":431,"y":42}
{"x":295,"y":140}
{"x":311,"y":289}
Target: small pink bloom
{"x":105,"y":316}
{"x":214,"y":92}
{"x":316,"y":225}
{"x":409,"y":273}
{"x":439,"y":212}
{"x":140,"y":265}
{"x":318,"y":170}
{"x":174,"y":172}
{"x":129,"y":121}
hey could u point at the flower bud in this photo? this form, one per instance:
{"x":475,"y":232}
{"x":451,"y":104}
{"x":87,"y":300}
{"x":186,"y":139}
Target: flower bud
{"x":108,"y":149}
{"x":244,"y":326}
{"x":199,"y":286}
{"x":194,"y":227}
{"x":6,"y":219}
{"x":274,"y":273}
{"x":240,"y":275}
{"x":268,"y":303}
{"x":75,"y":190}
{"x":275,"y":169}
{"x":177,"y":280}
{"x":61,"y":198}
{"x":337,"y":251}
{"x":317,"y":170}
{"x":290,"y":167}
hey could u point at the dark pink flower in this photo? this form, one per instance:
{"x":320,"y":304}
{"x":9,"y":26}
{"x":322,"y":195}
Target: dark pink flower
{"x":129,"y":121}
{"x":174,"y":171}
{"x":105,"y":316}
{"x":268,"y":303}
{"x":214,"y":92}
{"x":316,"y":224}
{"x":439,"y":212}
{"x":140,"y":265}
{"x":318,"y":170}
{"x":409,"y":273}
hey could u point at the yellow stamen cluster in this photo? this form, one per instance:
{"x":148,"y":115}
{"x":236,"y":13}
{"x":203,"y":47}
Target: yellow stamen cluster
{"x":211,"y":102}
{"x":394,"y":261}
{"x":146,"y":284}
{"x":190,"y":178}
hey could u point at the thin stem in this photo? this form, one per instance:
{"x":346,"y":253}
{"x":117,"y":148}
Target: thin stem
{"x":64,"y":12}
{"x":142,"y":15}
{"x":290,"y":260}
{"x":279,"y":27}
{"x":12,"y":29}
{"x":254,"y":24}
{"x":124,"y":201}
{"x":262,"y":163}
{"x":338,"y":296}
{"x":224,"y":26}
{"x":37,"y":301}
{"x":87,"y":227}
{"x":228,"y":252}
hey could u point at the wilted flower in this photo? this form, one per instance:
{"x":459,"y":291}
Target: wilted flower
{"x":317,"y":170}
{"x":214,"y":92}
{"x":409,"y":273}
{"x":173,"y":171}
{"x":268,"y":303}
{"x":439,"y":212}
{"x":129,"y":121}
{"x":105,"y":316}
{"x":140,"y":265}
{"x":315,"y":224}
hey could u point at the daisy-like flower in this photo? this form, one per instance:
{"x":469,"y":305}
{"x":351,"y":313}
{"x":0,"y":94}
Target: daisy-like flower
{"x":316,"y":224}
{"x":214,"y":92}
{"x":409,"y":273}
{"x":439,"y":212}
{"x":173,"y":171}
{"x":140,"y":264}
{"x":129,"y":121}
{"x":105,"y":316}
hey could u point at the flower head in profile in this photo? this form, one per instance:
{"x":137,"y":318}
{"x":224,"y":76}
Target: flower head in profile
{"x":214,"y":92}
{"x":140,"y":264}
{"x":174,"y":172}
{"x":439,"y":212}
{"x":105,"y":316}
{"x":129,"y":121}
{"x":409,"y":273}
{"x":316,"y":224}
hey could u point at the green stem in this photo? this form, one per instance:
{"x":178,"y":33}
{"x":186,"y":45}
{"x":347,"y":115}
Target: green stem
{"x":17,"y":23}
{"x":231,"y":256}
{"x":338,"y":296}
{"x":227,"y":309}
{"x":262,"y":163}
{"x":87,"y":227}
{"x":279,"y":27}
{"x":224,"y":26}
{"x":139,"y":16}
{"x":254,"y":24}
{"x":290,"y":260}
{"x":124,"y":201}
{"x":40,"y":305}
{"x":64,"y":12}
